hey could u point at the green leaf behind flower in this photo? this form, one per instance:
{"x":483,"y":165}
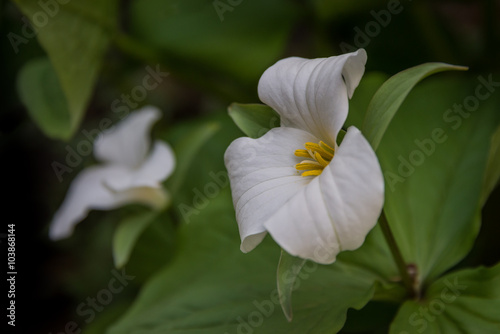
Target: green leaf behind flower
{"x":434,"y":158}
{"x":391,"y":95}
{"x":254,"y":119}
{"x":289,"y":268}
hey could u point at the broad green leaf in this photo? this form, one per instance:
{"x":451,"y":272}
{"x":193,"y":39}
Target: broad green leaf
{"x":492,"y":174}
{"x":289,"y":268}
{"x":75,"y":36}
{"x":211,"y":287}
{"x":211,"y":40}
{"x":433,"y":157}
{"x":391,"y":95}
{"x":464,"y":302}
{"x":39,"y":89}
{"x":127,"y":233}
{"x":187,"y":149}
{"x":254,"y":119}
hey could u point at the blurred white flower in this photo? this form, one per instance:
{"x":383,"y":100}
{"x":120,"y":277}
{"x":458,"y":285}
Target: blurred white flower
{"x":314,"y":197}
{"x":130,"y":173}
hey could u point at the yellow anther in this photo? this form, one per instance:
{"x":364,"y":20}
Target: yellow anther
{"x":327,"y":148}
{"x":318,"y":157}
{"x":317,"y":148}
{"x":308,"y":165}
{"x":302,"y":153}
{"x":312,"y":172}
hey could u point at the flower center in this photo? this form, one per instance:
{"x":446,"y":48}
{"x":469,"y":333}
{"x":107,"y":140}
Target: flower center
{"x":318,"y":157}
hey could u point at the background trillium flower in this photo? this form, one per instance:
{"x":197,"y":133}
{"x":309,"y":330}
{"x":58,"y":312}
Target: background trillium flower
{"x":314,"y":197}
{"x":130,"y":173}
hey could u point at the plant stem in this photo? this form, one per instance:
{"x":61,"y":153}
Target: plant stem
{"x":396,"y":253}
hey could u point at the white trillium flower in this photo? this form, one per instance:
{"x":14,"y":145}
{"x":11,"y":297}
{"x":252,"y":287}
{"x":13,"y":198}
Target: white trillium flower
{"x":314,"y":197}
{"x":130,"y":173}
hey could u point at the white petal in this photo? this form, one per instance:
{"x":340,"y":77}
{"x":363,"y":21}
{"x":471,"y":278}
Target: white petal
{"x":128,"y":143}
{"x":337,"y":209}
{"x":263,"y":178}
{"x":312,"y":94}
{"x":89,"y":190}
{"x":156,"y":168}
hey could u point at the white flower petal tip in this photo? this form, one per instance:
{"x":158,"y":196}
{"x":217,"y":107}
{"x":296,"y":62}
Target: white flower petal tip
{"x":121,"y":179}
{"x":128,"y":142}
{"x":313,"y":94}
{"x":314,"y":197}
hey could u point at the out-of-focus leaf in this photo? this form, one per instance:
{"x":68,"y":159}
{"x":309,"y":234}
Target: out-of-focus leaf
{"x":206,"y":175}
{"x":289,"y":268}
{"x":387,"y":100}
{"x":187,"y":149}
{"x":254,"y":119}
{"x":75,"y":36}
{"x":434,"y":158}
{"x":492,"y":174}
{"x":236,"y":38}
{"x":465,"y":302}
{"x":211,"y":287}
{"x":127,"y":233}
{"x":154,"y":248}
{"x":39,"y":89}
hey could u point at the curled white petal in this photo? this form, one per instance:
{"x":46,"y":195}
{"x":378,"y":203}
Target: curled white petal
{"x":263,"y":178}
{"x":128,"y":143}
{"x":157,"y":167}
{"x":337,"y":209}
{"x":90,"y":190}
{"x":312,"y":94}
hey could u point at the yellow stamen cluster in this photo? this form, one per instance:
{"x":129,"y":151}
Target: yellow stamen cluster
{"x":319,"y":156}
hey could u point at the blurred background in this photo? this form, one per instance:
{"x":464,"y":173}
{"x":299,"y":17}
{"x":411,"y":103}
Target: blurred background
{"x":214,"y":53}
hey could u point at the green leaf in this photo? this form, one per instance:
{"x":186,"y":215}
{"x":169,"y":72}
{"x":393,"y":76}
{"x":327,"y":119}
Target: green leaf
{"x":75,"y":36}
{"x":211,"y":287}
{"x":154,"y":248}
{"x":289,"y":268}
{"x":254,"y":119}
{"x":39,"y":89}
{"x":214,"y":39}
{"x":492,"y":174}
{"x":187,"y":149}
{"x":434,"y":155}
{"x":127,"y":233}
{"x":391,"y":95}
{"x":465,"y":302}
